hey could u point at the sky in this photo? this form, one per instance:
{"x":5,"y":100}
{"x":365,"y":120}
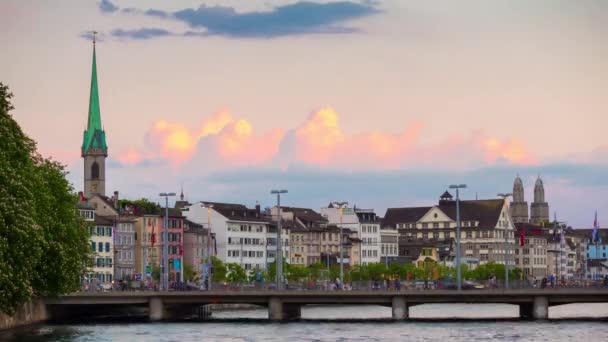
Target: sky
{"x":382,"y":103}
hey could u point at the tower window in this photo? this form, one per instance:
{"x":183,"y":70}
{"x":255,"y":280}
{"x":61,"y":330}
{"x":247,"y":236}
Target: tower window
{"x":95,"y":171}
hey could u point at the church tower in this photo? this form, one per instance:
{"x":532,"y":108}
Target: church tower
{"x":539,"y":210}
{"x":519,"y":207}
{"x":94,"y":149}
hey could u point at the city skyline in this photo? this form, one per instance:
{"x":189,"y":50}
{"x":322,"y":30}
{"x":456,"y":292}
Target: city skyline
{"x":335,"y":109}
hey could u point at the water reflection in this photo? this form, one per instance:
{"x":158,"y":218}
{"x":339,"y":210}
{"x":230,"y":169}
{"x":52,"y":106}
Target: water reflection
{"x":372,"y":325}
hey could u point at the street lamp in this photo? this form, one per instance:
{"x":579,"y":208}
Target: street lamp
{"x":279,"y":257}
{"x":208,"y":265}
{"x":458,"y":275}
{"x":504,"y":197}
{"x":165,"y":263}
{"x":341,"y":207}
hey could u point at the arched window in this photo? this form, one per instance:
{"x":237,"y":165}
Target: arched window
{"x":95,"y":171}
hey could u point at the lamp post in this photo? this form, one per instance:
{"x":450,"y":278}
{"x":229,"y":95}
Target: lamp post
{"x":341,"y":208}
{"x":279,"y":257}
{"x":208,"y":262}
{"x":504,"y":197}
{"x":458,"y":271}
{"x":165,"y":263}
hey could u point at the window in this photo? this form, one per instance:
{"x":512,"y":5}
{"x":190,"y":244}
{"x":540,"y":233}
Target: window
{"x":436,"y":224}
{"x":425,"y":225}
{"x":446,"y":224}
{"x":435,"y":235}
{"x":100,"y":247}
{"x":93,"y":245}
{"x":95,"y":171}
{"x":107,"y":246}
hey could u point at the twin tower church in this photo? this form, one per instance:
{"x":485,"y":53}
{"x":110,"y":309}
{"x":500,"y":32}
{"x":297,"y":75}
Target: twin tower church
{"x":539,"y":209}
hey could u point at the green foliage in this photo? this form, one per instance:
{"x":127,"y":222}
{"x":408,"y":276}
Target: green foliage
{"x":189,"y":272}
{"x":44,"y":247}
{"x":484,"y":272}
{"x":296,"y":273}
{"x":252,"y":278}
{"x":65,"y":239}
{"x":219,"y":270}
{"x":236,"y":273}
{"x":156,"y":272}
{"x":143,"y":206}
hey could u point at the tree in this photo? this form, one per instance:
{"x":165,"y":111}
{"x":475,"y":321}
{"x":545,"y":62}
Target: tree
{"x":218,"y":271}
{"x":189,"y":272}
{"x":142,"y":206}
{"x":44,"y":248}
{"x":65,"y":239}
{"x":156,"y":272}
{"x":236,"y":273}
{"x":20,"y":244}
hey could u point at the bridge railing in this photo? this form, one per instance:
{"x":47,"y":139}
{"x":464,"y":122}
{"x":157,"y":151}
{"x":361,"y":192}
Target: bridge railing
{"x":422,"y":285}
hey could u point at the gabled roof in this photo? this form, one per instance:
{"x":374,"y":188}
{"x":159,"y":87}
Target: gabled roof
{"x":603,"y":233}
{"x":403,"y":215}
{"x":486,"y":212}
{"x":368,"y":217}
{"x":238,"y":212}
{"x":104,"y":220}
{"x":305,"y":214}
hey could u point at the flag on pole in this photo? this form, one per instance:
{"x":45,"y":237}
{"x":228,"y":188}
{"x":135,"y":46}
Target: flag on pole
{"x":522,"y":235}
{"x":595,"y":234}
{"x":554,"y":227}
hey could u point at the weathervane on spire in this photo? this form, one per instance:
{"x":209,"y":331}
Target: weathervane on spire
{"x":94,"y":33}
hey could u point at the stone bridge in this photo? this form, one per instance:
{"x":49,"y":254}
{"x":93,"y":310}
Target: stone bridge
{"x":286,"y":305}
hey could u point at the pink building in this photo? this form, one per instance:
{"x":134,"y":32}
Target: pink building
{"x":195,"y":245}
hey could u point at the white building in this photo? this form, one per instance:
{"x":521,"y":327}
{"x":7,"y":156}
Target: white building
{"x":366,"y":225}
{"x":389,"y":243}
{"x":240,"y":233}
{"x":101,"y":231}
{"x":371,"y":239}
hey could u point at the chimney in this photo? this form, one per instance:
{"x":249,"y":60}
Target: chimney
{"x":115,"y":199}
{"x":257,"y":207}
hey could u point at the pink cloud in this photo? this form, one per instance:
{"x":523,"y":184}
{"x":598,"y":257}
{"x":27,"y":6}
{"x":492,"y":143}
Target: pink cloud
{"x":237,"y":144}
{"x":320,"y":141}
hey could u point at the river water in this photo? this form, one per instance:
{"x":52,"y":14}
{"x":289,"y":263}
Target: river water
{"x":354,"y":323}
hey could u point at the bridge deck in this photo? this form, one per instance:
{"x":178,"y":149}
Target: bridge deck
{"x":516,"y":296}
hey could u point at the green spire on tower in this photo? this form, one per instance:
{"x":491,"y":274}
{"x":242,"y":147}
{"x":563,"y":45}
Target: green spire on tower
{"x":94,"y":136}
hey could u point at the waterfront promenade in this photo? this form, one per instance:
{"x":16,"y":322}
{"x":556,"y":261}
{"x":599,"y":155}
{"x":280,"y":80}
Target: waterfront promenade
{"x":286,"y":305}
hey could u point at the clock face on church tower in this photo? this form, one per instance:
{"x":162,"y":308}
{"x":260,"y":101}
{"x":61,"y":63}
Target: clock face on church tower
{"x":94,"y":187}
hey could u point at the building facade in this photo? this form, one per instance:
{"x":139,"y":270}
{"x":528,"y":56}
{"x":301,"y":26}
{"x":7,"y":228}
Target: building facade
{"x":389,"y":243}
{"x":370,"y":235}
{"x":196,"y":248}
{"x":124,"y":248}
{"x":240,"y":233}
{"x":532,"y":256}
{"x":101,"y":233}
{"x":487,"y":231}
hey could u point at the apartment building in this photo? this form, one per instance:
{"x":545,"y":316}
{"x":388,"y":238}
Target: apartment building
{"x":487,"y":231}
{"x":240,"y":232}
